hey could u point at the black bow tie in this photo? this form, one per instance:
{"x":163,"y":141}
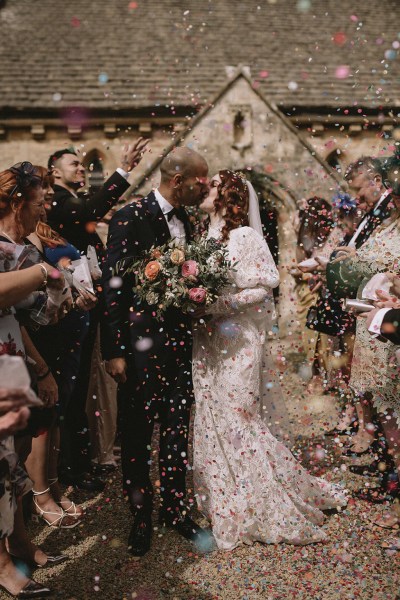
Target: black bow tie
{"x":179,"y":213}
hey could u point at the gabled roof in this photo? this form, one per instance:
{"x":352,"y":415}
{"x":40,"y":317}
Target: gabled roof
{"x":208,"y":131}
{"x":124,"y":55}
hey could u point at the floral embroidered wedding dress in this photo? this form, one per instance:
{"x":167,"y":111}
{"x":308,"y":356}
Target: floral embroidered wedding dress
{"x":247,"y":483}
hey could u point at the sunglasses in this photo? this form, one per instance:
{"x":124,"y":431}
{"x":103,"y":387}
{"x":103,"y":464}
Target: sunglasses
{"x":26,"y":176}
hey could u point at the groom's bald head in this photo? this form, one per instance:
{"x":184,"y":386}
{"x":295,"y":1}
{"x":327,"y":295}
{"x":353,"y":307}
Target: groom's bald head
{"x":184,"y":161}
{"x":184,"y":176}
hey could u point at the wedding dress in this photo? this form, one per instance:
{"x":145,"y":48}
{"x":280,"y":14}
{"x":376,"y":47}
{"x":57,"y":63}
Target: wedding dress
{"x":247,"y":483}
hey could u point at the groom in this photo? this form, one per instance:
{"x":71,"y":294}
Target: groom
{"x":151,"y":359}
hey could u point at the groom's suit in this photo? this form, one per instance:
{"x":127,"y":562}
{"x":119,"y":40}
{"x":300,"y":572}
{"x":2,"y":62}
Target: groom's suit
{"x":158,"y":353}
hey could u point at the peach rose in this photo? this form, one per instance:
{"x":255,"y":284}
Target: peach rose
{"x":177,"y":256}
{"x":152,"y":269}
{"x":198,"y":295}
{"x":190,"y":268}
{"x":156,"y":253}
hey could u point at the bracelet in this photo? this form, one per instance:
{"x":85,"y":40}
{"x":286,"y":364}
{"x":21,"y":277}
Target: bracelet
{"x":45,"y":274}
{"x":41,"y":377}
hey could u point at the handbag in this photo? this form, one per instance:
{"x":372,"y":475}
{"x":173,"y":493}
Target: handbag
{"x":327,"y":316}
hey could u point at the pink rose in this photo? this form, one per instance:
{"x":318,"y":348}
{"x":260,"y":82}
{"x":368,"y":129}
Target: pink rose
{"x":197,"y":295}
{"x":190,"y":268}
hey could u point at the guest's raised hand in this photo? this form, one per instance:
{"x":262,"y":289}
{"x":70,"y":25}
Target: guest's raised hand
{"x":132,"y":154}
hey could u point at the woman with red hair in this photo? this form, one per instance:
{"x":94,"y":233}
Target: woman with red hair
{"x":247,"y":483}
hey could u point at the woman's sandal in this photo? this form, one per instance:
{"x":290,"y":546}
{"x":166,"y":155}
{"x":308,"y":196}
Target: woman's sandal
{"x":72,"y":509}
{"x":62,"y":521}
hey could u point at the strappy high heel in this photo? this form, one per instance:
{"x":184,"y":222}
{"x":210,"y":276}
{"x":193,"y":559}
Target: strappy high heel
{"x":76,"y":514}
{"x":59,"y":522}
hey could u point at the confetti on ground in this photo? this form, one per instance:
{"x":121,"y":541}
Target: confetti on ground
{"x":351,"y":565}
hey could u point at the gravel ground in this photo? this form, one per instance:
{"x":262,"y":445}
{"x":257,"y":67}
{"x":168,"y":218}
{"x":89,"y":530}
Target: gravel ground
{"x":352,"y":565}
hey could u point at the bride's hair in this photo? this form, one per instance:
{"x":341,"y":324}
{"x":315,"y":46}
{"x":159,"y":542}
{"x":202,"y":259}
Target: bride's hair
{"x":232,"y":201}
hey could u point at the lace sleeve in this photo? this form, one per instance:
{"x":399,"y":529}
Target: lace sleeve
{"x":379,"y":254}
{"x":254,"y":276}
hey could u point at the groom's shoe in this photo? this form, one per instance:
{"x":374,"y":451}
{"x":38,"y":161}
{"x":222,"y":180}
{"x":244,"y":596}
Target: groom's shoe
{"x":139,"y":540}
{"x":183,"y":524}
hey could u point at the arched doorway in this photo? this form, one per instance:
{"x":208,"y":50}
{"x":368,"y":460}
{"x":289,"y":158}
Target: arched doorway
{"x":93,"y":163}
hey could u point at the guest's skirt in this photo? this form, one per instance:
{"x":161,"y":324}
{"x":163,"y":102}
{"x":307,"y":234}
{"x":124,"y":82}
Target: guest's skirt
{"x":375,"y":372}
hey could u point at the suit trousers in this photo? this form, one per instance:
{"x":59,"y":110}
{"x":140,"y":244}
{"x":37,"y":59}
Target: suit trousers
{"x":137,"y":416}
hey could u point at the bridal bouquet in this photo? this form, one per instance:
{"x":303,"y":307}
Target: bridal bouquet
{"x":185,"y":277}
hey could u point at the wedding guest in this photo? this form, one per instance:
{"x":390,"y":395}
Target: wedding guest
{"x":74,"y":216}
{"x":375,"y":372}
{"x":18,"y":219}
{"x":365,"y":182}
{"x":383,"y":322}
{"x":365,"y":185}
{"x":315,"y":225}
{"x":60,"y":344}
{"x":154,"y":376}
{"x":20,"y":202}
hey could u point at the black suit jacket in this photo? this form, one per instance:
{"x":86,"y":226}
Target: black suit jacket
{"x":392,"y":318}
{"x":134,"y":229}
{"x":70,"y":216}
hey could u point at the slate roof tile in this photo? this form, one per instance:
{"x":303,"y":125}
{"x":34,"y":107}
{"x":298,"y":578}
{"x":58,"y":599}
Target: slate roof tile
{"x":102,"y":53}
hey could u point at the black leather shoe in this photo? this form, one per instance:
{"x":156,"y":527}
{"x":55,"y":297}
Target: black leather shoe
{"x":139,"y":540}
{"x":86,"y":483}
{"x":183,"y":524}
{"x":32,"y":589}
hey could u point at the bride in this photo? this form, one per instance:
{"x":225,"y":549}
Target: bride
{"x":247,"y":483}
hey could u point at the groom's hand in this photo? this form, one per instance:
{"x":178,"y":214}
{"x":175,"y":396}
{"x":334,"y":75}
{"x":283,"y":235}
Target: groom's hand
{"x":116,"y":367}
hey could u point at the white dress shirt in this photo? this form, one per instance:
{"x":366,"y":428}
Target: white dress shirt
{"x":365,"y":219}
{"x":376,"y":323}
{"x":175,"y":225}
{"x":122,"y":172}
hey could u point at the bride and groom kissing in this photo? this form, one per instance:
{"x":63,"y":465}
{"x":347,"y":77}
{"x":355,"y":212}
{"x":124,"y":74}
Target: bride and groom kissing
{"x":247,"y":483}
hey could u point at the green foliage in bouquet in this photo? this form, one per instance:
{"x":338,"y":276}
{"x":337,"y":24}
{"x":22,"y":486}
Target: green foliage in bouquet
{"x":184,"y":277}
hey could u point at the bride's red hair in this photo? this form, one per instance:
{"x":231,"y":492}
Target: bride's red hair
{"x":232,"y":201}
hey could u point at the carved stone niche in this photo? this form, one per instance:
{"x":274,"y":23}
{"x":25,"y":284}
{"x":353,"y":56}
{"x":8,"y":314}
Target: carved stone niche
{"x":242,"y":126}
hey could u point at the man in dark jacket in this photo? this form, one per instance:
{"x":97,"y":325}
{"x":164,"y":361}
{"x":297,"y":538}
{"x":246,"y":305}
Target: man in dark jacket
{"x":151,"y":360}
{"x":74,"y":216}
